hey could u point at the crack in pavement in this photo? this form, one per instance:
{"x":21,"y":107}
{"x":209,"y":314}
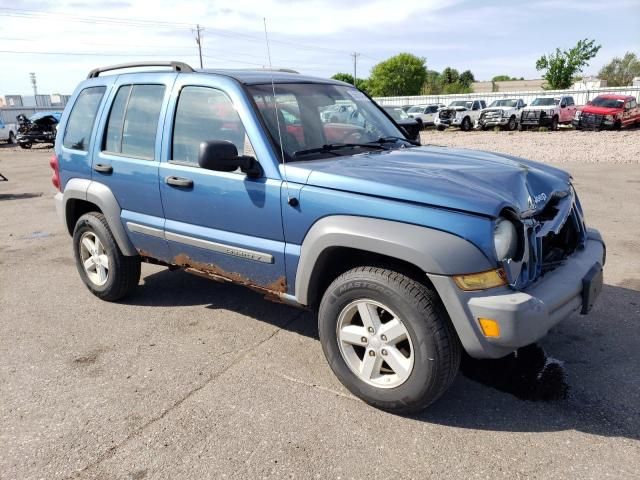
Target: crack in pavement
{"x":111,"y":451}
{"x":316,"y":386}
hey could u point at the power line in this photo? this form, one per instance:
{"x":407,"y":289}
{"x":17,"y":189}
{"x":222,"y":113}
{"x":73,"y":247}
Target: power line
{"x":23,"y":13}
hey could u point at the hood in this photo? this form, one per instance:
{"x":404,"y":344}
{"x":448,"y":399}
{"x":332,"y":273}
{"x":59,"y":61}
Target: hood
{"x":497,"y":109}
{"x":542,"y":107}
{"x":600,"y":110}
{"x":467,"y":180}
{"x":454,"y":109}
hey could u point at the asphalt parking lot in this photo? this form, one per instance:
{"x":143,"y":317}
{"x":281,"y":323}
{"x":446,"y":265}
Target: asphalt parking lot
{"x":191,"y":379}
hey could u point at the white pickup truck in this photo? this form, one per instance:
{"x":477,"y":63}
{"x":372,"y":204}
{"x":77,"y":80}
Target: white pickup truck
{"x":548,"y":112}
{"x":459,"y":113}
{"x":503,"y":113}
{"x":8,"y":132}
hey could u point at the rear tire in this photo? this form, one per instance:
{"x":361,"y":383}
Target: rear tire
{"x":422,"y":333}
{"x":440,"y":129}
{"x":106,"y":272}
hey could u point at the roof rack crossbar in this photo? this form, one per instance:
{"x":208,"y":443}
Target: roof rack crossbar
{"x":175,"y":66}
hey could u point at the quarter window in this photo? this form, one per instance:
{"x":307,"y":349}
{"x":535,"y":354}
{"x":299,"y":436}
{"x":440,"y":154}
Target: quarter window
{"x":133,"y":121}
{"x":206,"y":114}
{"x":82,"y":118}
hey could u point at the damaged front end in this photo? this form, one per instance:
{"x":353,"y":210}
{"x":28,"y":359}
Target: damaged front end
{"x":40,"y":130}
{"x":548,"y":237}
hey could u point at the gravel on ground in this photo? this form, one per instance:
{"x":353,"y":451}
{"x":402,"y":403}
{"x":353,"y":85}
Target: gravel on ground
{"x":562,"y":146}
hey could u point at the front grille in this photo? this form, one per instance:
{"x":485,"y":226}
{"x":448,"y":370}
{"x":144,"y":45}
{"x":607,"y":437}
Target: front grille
{"x":547,"y":249}
{"x":446,"y":114}
{"x":491,"y":115}
{"x":532,"y":116}
{"x":591,"y":120}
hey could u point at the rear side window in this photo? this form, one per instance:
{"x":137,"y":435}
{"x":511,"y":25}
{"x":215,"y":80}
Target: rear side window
{"x":82,"y":118}
{"x":205,"y":114}
{"x":133,"y":121}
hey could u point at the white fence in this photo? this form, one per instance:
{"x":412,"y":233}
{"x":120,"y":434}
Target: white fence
{"x":580,"y":96}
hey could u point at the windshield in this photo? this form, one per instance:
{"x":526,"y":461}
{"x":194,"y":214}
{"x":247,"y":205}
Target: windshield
{"x":397,"y":113}
{"x":607,"y":102}
{"x":316,"y":116}
{"x":416,"y":109}
{"x":545,"y":102}
{"x":504,"y":103}
{"x":461,"y":103}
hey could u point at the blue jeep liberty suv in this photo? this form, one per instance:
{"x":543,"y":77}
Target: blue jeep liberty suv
{"x":409,"y":254}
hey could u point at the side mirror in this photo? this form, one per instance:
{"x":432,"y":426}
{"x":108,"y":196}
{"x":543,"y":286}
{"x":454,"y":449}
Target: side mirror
{"x":222,"y":156}
{"x":589,"y":103}
{"x":524,"y":105}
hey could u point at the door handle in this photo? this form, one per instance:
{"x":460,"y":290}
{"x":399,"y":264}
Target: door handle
{"x":103,"y":168}
{"x":179,"y":182}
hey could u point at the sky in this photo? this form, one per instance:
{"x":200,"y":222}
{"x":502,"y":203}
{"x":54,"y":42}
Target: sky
{"x":61,"y":40}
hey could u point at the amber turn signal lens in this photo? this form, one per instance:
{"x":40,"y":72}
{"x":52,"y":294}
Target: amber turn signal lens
{"x":482,"y":280}
{"x":490,"y":328}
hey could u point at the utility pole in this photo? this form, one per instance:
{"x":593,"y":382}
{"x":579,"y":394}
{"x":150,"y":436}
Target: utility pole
{"x":199,"y":42}
{"x":355,"y":56}
{"x":34,"y":84}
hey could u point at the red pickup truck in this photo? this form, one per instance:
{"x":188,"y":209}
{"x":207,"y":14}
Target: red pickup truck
{"x":608,"y":111}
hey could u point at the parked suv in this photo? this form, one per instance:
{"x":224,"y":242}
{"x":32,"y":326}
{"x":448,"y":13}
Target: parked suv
{"x":425,"y":113}
{"x":608,"y":111}
{"x":408,"y":254}
{"x":459,"y":113}
{"x":548,"y":112}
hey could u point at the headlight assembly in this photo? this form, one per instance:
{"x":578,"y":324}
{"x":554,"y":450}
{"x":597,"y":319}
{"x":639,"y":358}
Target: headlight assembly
{"x":505,"y":239}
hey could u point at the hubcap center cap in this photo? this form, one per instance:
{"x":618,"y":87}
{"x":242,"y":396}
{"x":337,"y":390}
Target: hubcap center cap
{"x":375,"y":342}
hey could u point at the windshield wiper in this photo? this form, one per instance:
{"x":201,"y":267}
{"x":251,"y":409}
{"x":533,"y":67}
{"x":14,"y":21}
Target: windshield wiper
{"x":330,"y":148}
{"x":390,"y":139}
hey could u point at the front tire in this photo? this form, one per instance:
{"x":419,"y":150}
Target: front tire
{"x":465,"y":126}
{"x":12,"y":138}
{"x":388,"y":339}
{"x":512,"y":125}
{"x":554,"y":123}
{"x":106,"y":272}
{"x":26,"y":146}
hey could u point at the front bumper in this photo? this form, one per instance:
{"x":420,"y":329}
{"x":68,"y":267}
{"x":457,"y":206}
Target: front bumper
{"x":593,"y":125}
{"x":541,"y":121}
{"x":493,"y":122}
{"x":36,"y":138}
{"x":523,"y":316}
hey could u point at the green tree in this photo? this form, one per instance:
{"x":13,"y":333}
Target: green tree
{"x":343,"y":77}
{"x":467,"y":78}
{"x":449,"y":76}
{"x":560,"y":67}
{"x":361,"y":83}
{"x":620,"y":72}
{"x":502,"y":78}
{"x":432,"y":83}
{"x":403,"y":74}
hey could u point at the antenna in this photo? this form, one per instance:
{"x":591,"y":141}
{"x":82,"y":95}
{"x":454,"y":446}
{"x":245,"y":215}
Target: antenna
{"x":290,"y":200}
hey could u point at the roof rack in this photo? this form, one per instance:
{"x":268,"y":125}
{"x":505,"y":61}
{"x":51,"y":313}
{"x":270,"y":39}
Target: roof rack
{"x":176,"y":66}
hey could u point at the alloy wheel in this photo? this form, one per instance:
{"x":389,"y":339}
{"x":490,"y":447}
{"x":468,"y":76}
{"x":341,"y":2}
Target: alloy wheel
{"x":375,"y":344}
{"x":94,"y":258}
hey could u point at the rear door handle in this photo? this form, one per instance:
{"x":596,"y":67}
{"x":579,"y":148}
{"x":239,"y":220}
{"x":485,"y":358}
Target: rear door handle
{"x":179,"y":182}
{"x":103,"y":168}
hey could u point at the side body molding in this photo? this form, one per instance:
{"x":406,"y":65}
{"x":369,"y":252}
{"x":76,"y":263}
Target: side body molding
{"x":100,"y":195}
{"x":433,"y":251}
